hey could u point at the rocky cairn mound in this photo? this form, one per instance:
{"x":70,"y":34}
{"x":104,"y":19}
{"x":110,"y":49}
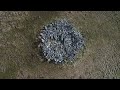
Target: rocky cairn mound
{"x":60,"y":41}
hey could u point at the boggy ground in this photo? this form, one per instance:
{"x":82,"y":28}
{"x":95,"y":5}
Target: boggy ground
{"x":19,"y":56}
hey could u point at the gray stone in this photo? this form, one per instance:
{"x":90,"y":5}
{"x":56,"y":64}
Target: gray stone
{"x":60,"y":41}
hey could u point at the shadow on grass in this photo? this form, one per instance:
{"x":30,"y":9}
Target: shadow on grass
{"x":31,"y":33}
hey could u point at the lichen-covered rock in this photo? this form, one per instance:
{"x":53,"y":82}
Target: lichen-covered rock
{"x":60,"y":41}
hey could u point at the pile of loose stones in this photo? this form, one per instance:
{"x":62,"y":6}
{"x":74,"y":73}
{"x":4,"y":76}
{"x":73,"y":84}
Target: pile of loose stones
{"x":60,"y":41}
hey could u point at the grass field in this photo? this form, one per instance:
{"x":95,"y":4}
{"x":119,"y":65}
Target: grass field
{"x":19,"y":57}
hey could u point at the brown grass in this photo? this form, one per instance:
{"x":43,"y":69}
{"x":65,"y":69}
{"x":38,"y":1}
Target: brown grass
{"x":19,"y":58}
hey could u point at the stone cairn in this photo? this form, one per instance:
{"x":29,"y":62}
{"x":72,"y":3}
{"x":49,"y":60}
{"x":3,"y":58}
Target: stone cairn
{"x":60,"y":41}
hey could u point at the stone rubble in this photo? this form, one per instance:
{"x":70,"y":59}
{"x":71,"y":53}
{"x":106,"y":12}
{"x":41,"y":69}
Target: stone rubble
{"x":60,"y":41}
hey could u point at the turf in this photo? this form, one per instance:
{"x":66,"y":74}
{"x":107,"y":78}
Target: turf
{"x":19,"y":56}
